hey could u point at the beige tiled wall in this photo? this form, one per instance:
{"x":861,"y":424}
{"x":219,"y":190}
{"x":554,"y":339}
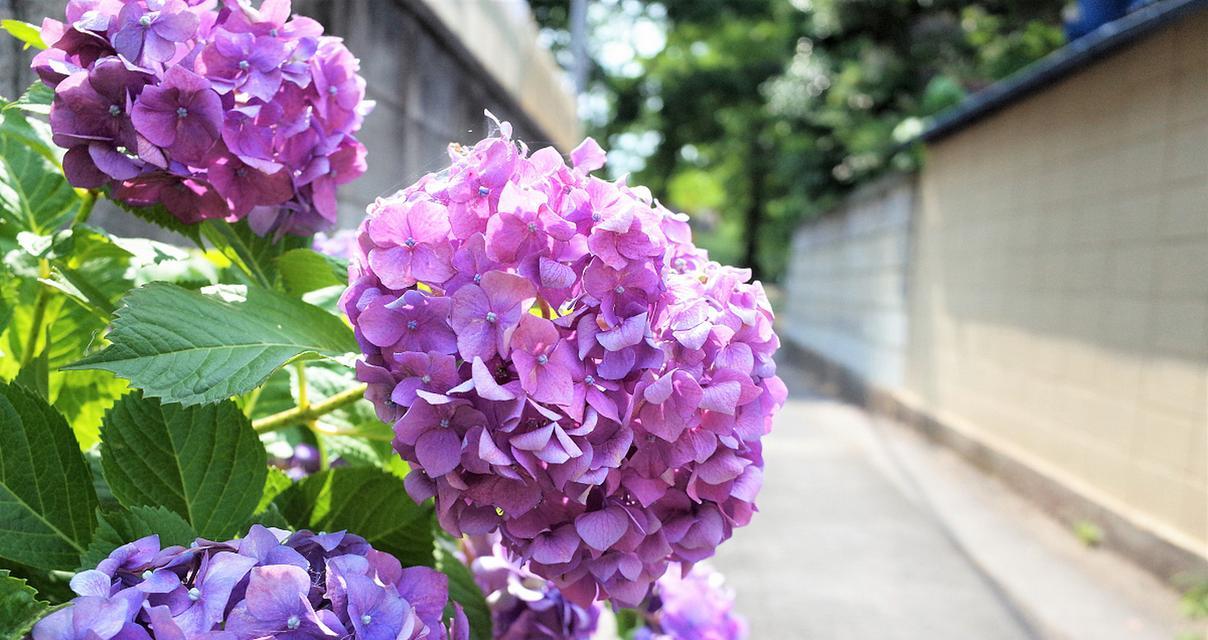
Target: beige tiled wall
{"x":1059,"y":289}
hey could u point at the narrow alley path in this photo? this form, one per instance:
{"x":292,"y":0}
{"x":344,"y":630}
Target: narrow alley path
{"x":866,"y":531}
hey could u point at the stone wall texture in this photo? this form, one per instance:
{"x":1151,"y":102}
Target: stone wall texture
{"x":1054,"y":284}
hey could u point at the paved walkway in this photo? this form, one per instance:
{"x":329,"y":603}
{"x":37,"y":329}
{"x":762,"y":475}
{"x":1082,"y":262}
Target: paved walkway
{"x":866,"y":531}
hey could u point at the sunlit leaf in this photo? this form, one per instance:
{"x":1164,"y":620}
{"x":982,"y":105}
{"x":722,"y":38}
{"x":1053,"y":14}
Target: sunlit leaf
{"x":30,"y":34}
{"x":189,"y":347}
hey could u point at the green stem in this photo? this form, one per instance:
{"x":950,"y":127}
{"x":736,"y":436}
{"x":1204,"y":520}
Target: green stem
{"x":297,"y":415}
{"x":303,"y":402}
{"x":324,"y":465}
{"x":311,"y":424}
{"x":253,"y":399}
{"x":87,"y":202}
{"x":41,"y":299}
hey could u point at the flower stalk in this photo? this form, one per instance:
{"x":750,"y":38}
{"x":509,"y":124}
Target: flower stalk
{"x":41,"y":299}
{"x":298,"y":414}
{"x":87,"y":202}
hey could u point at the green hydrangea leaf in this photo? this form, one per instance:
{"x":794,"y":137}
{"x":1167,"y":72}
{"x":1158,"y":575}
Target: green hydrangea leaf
{"x":34,"y":132}
{"x":46,"y":494}
{"x":304,"y":270}
{"x":204,"y":462}
{"x":256,"y":255}
{"x":189,"y":347}
{"x":274,"y":483}
{"x":368,"y":502}
{"x":34,"y":195}
{"x":270,"y":517}
{"x":19,"y":607}
{"x":83,"y":397}
{"x":28,"y":33}
{"x":35,"y":376}
{"x":116,"y":528}
{"x":36,"y":99}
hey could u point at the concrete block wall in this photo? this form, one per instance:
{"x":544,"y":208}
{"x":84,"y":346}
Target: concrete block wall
{"x":848,"y":294}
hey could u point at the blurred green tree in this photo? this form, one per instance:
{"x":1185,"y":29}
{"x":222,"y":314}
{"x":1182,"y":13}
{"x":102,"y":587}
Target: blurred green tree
{"x":753,"y":115}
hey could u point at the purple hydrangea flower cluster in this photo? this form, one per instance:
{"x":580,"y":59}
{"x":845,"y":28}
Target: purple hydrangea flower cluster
{"x":561,"y":363}
{"x":269,"y":584}
{"x":215,"y":111}
{"x":340,"y":244}
{"x":695,"y":606}
{"x":523,"y":605}
{"x":302,"y":460}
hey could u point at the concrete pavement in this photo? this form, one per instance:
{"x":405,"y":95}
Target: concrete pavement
{"x":866,"y":531}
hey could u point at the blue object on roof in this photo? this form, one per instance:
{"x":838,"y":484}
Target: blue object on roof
{"x":1092,"y":14}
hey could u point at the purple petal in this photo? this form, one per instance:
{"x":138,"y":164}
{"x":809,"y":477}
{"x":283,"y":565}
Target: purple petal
{"x":114,"y":164}
{"x":508,"y":291}
{"x":185,"y":81}
{"x":176,"y":27}
{"x":588,"y":156}
{"x":278,"y":591}
{"x":660,"y":389}
{"x":155,"y":123}
{"x":490,"y":452}
{"x":721,"y":397}
{"x":161,"y":622}
{"x":431,"y":264}
{"x":129,"y":42}
{"x":438,"y":451}
{"x":534,"y":440}
{"x":485,"y":384}
{"x":428,"y":222}
{"x":555,"y":275}
{"x":92,"y":583}
{"x":381,"y":325}
{"x":631,"y":332}
{"x":156,"y":47}
{"x":557,"y":547}
{"x":426,"y":590}
{"x":392,"y":266}
{"x":602,"y":529}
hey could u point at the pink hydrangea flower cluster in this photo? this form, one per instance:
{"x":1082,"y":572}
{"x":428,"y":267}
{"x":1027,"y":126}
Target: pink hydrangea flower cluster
{"x":214,"y":110}
{"x":561,"y":363}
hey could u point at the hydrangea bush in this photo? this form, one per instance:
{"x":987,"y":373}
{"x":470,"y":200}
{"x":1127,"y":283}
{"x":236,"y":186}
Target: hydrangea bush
{"x":511,"y":348}
{"x":561,"y":363}
{"x":269,"y":583}
{"x":212,"y":110}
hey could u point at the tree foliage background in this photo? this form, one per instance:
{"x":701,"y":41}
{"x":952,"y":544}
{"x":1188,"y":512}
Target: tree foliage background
{"x":753,"y":115}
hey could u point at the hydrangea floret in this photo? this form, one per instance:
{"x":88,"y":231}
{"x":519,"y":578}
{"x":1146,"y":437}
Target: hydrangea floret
{"x":214,"y":110}
{"x":561,"y":364}
{"x":523,"y":605}
{"x":692,"y":605}
{"x":270,"y":583}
